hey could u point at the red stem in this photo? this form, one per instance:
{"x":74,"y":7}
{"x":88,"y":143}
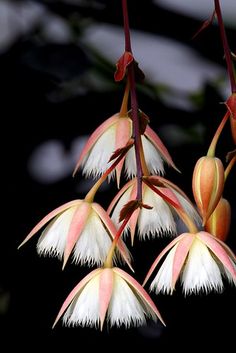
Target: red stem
{"x":225,"y":46}
{"x":134,"y":102}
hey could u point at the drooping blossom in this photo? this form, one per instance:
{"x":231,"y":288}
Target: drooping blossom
{"x":199,"y":261}
{"x":159,"y":220}
{"x":108,"y":294}
{"x":114,"y":134}
{"x":80,"y":227}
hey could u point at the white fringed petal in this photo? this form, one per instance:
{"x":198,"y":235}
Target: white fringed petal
{"x":152,"y":156}
{"x":201,"y":272}
{"x":156,"y":221}
{"x":125,"y":308}
{"x":52,"y":241}
{"x":163,"y":280}
{"x":96,"y":163}
{"x":84,"y":309}
{"x":94,"y":242}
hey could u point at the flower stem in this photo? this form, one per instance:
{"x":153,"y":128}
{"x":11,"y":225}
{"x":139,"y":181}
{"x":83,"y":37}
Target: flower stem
{"x":134,"y":102}
{"x":108,"y":262}
{"x":124,"y":106}
{"x":227,"y":52}
{"x":212,"y":147}
{"x":229,"y":167}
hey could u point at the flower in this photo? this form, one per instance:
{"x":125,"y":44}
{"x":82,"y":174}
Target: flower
{"x":113,"y":134}
{"x":199,"y":260}
{"x":208,"y":184}
{"x":79,"y":226}
{"x":156,"y":221}
{"x":108,"y":293}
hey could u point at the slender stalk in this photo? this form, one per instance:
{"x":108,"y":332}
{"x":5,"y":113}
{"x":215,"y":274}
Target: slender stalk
{"x":134,"y":102}
{"x":229,"y":167}
{"x":212,"y":147}
{"x":227,"y":52}
{"x":108,"y":262}
{"x":124,"y":105}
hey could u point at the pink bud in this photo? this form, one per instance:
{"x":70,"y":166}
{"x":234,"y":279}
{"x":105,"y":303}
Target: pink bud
{"x":231,"y":105}
{"x":219,"y":222}
{"x":208,"y":185}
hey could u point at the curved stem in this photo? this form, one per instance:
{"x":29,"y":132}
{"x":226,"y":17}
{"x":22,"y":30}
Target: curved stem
{"x":212,"y":147}
{"x":108,"y":262}
{"x":126,"y":26}
{"x":227,"y":52}
{"x":229,"y":167}
{"x":124,"y":105}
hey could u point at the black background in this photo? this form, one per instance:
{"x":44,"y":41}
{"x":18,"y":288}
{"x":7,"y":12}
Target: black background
{"x":36,"y":286}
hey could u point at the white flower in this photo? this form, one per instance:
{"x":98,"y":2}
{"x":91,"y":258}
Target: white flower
{"x":113,"y":134}
{"x":109,"y":294}
{"x":199,"y":260}
{"x":80,"y":227}
{"x":153,"y":222}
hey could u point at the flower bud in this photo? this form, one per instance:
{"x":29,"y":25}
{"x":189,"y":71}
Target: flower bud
{"x":208,"y":185}
{"x":219,"y":222}
{"x":233,"y":128}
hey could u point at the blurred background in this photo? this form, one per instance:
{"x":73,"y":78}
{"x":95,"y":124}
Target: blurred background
{"x":57,"y":60}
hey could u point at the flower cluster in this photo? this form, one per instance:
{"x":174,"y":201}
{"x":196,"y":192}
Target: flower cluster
{"x":148,"y":205}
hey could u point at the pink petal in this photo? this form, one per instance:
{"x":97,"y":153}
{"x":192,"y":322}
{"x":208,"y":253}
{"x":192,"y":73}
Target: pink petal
{"x":112,"y":231}
{"x":77,"y":225}
{"x":156,"y":141}
{"x":141,"y":291}
{"x":180,"y":255}
{"x":75,"y":291}
{"x":219,"y":251}
{"x":159,"y":257}
{"x":119,"y":194}
{"x":134,"y":218}
{"x":168,"y":183}
{"x":47,"y":218}
{"x":105,"y":292}
{"x":123,"y":134}
{"x":94,"y":137}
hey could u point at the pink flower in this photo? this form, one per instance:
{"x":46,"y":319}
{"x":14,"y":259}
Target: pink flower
{"x":199,"y":260}
{"x":113,"y":134}
{"x":111,"y":294}
{"x":79,"y":226}
{"x":156,"y":221}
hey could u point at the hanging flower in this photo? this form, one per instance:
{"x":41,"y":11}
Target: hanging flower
{"x":79,"y":226}
{"x":110,"y":294}
{"x":114,"y":134}
{"x":158,"y":220}
{"x":199,"y":260}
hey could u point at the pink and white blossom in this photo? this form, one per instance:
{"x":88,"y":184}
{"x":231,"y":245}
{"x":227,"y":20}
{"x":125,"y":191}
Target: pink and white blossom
{"x":158,"y":221}
{"x":108,"y":294}
{"x":199,"y":261}
{"x":114,"y":134}
{"x":81,"y":228}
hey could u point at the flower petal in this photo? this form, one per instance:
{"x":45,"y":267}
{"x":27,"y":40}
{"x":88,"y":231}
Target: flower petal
{"x":105,"y":292}
{"x":152,"y":136}
{"x":76,"y":227}
{"x":141,"y":291}
{"x":219,"y":251}
{"x":47,"y":218}
{"x":159,"y":257}
{"x":75,"y":291}
{"x":180,"y":256}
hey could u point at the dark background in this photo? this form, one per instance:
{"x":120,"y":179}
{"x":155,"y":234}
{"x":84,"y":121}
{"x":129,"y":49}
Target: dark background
{"x":41,"y":101}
